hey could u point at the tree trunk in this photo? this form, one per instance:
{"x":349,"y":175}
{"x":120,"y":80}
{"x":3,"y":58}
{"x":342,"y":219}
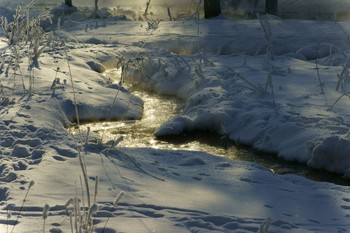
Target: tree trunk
{"x":212,"y":8}
{"x":96,"y":5}
{"x":271,"y":7}
{"x":68,"y":3}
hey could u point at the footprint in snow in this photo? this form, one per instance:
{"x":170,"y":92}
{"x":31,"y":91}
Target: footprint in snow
{"x":286,"y":190}
{"x":203,"y":174}
{"x":31,"y":128}
{"x":7,"y":142}
{"x":65,"y":151}
{"x":55,"y":230}
{"x":197,"y":178}
{"x":41,"y":100}
{"x":287,"y":214}
{"x":20,"y":165}
{"x":20,"y":151}
{"x":37,"y":154}
{"x":313,"y":221}
{"x":8,"y":177}
{"x":22,"y":115}
{"x":58,"y":158}
{"x":284,"y":225}
{"x":26,"y":107}
{"x":106,"y":230}
{"x":192,"y":162}
{"x":249,"y":180}
{"x":345,"y":207}
{"x":3,"y":126}
{"x":17,"y":133}
{"x":223,"y":165}
{"x":32,"y":142}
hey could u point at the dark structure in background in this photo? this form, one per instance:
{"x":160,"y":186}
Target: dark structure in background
{"x":68,"y":3}
{"x":212,"y":8}
{"x":271,"y":7}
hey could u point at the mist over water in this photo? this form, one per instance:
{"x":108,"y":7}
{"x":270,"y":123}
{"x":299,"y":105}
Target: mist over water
{"x":298,"y":9}
{"x":133,"y":9}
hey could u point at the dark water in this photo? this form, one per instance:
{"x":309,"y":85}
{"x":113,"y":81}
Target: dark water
{"x":213,"y":144}
{"x":158,"y":109}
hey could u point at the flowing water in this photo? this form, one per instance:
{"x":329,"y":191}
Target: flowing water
{"x":158,"y":109}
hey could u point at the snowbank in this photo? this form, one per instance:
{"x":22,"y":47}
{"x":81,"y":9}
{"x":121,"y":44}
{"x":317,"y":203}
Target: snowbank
{"x":275,"y":105}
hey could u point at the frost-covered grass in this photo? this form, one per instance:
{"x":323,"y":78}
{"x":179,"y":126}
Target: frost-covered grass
{"x":26,"y":42}
{"x":226,"y":87}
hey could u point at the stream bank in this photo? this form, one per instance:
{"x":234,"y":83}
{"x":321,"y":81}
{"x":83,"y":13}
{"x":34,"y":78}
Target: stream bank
{"x":161,"y":108}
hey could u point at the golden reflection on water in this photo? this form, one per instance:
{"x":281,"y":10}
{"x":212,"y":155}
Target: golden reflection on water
{"x":159,"y":109}
{"x":140,"y":133}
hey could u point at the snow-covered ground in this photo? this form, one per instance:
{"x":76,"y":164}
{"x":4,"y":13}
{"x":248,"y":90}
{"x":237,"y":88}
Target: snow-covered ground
{"x":286,"y":103}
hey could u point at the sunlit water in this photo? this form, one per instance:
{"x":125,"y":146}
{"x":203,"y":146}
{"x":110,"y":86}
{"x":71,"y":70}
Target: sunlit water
{"x":159,"y":109}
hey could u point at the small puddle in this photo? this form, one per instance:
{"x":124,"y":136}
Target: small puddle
{"x":159,"y":109}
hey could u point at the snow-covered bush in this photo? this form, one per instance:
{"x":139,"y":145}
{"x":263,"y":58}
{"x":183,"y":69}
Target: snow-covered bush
{"x":26,"y":40}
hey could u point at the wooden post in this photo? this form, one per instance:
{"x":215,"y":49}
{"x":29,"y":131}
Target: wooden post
{"x":212,"y":8}
{"x":271,"y":7}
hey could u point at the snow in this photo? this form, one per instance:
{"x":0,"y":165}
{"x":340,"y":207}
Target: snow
{"x":228,"y":85}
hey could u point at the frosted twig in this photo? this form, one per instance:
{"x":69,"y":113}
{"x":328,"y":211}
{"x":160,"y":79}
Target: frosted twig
{"x":317,"y":70}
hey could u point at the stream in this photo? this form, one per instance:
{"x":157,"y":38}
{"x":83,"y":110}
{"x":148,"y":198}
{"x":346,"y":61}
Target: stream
{"x":159,"y":109}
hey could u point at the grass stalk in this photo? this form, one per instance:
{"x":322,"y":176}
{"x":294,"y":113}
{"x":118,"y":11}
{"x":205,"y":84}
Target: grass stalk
{"x":343,"y":76}
{"x":71,"y":221}
{"x":337,"y":100}
{"x":73,"y":88}
{"x":318,"y":70}
{"x":265,"y":25}
{"x":46,"y":209}
{"x":85,"y":176}
{"x":96,"y":188}
{"x":251,"y":86}
{"x":76,"y":214}
{"x":87,"y":136}
{"x":269,"y":83}
{"x":115,"y":203}
{"x":82,"y":192}
{"x":21,"y":208}
{"x":81,"y":157}
{"x":147,"y":6}
{"x":198,"y":29}
{"x":8,"y":216}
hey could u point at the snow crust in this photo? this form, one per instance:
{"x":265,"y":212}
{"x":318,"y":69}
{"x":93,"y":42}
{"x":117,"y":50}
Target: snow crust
{"x":280,"y":108}
{"x":228,"y":86}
